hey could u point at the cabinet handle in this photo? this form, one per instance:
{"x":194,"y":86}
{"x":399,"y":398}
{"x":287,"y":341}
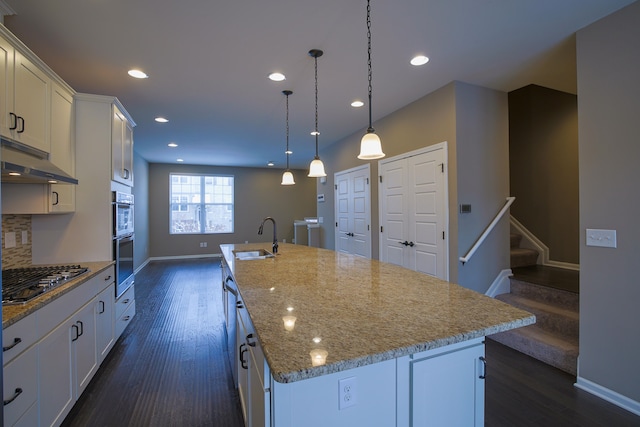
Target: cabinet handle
{"x":16,"y":341}
{"x":81,"y":328}
{"x":17,"y":393}
{"x":126,"y":318}
{"x":21,"y":119}
{"x":126,"y":173}
{"x":14,"y":121}
{"x":243,"y":362}
{"x":484,"y":368}
{"x":239,"y":304}
{"x":57,"y":198}
{"x":77,"y":335}
{"x":107,"y":278}
{"x":126,"y":301}
{"x":103,"y":306}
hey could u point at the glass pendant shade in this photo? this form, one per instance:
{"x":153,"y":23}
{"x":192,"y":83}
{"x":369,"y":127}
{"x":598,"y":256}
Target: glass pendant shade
{"x":370,"y":147}
{"x":287,"y":178}
{"x":316,"y":169}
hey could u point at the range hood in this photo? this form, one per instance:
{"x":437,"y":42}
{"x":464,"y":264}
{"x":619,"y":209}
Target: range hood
{"x":23,"y":164}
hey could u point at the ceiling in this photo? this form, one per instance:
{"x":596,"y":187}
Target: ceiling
{"x":208,"y":63}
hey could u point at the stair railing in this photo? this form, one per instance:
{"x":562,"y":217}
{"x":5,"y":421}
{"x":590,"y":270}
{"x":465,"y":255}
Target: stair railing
{"x":487,"y":230}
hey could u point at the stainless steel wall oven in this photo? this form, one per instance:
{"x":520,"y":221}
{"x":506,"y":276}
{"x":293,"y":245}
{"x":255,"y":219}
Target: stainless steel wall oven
{"x":123,"y":237}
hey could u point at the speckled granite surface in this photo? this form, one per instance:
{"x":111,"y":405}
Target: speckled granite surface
{"x":12,"y":313}
{"x":359,"y":311}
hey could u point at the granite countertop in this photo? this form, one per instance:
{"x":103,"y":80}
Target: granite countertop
{"x":358,"y":311}
{"x":12,"y":313}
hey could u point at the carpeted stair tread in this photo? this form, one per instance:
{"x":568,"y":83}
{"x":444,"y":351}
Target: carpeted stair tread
{"x":546,"y":294}
{"x":554,"y":318}
{"x":515,"y":240}
{"x":522,"y":257}
{"x":560,"y":352}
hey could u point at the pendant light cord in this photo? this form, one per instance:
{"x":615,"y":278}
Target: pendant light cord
{"x":370,"y":129}
{"x":287,"y":130}
{"x":316,"y":77}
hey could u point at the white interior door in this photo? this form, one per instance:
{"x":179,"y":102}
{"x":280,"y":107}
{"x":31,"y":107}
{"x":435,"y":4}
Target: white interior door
{"x":353,"y":211}
{"x":413,"y":211}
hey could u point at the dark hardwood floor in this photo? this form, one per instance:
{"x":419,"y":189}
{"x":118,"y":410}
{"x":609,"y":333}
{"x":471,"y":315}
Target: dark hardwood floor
{"x":169,"y":368}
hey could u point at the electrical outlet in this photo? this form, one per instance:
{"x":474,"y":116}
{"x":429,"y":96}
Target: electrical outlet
{"x":347,"y":395}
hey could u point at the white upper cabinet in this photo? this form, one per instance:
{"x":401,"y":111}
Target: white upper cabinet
{"x":25,"y":90}
{"x":122,"y":148}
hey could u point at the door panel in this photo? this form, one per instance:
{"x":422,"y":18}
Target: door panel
{"x":413,"y":209}
{"x":353,"y":211}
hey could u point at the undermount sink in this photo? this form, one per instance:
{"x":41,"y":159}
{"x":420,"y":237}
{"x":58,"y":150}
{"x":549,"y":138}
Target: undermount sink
{"x":252,"y":254}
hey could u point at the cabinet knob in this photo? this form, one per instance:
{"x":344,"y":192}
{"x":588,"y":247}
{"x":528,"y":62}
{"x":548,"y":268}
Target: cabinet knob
{"x":249,"y":342}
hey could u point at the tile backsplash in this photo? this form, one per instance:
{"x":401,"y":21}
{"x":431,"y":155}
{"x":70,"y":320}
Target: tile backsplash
{"x":20,"y":254}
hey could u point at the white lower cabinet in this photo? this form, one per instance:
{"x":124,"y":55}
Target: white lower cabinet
{"x":20,"y":386}
{"x":68,"y":360}
{"x":105,"y":322}
{"x":52,"y":354}
{"x":125,"y":308}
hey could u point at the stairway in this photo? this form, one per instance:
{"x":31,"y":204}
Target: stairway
{"x":553,"y":339}
{"x":521,"y":257}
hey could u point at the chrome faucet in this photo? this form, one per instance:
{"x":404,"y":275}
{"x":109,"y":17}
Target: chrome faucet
{"x":275,"y":238}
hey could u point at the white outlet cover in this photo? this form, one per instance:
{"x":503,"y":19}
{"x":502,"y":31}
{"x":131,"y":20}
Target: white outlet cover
{"x":348,"y":392}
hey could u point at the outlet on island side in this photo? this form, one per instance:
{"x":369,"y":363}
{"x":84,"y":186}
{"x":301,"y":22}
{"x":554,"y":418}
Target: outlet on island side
{"x":347,"y":395}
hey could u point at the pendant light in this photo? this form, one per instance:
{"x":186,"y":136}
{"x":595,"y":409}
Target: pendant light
{"x":287,"y":176}
{"x":370,"y":145}
{"x":316,"y":168}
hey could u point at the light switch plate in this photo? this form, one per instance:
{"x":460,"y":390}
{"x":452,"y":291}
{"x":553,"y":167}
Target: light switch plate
{"x":10,"y":239}
{"x":603,"y":238}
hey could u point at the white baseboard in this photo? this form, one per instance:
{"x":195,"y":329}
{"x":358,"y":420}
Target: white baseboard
{"x":501,"y":284}
{"x":608,"y":395}
{"x":562,"y":264}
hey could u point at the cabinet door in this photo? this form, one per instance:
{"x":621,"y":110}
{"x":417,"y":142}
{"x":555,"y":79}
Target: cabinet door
{"x":63,"y":153}
{"x":242,"y":353}
{"x":85,"y":354}
{"x":31,"y":104}
{"x":448,"y":389}
{"x":55,"y":374}
{"x":127,"y":154}
{"x":105,"y":322}
{"x":20,"y":385}
{"x":62,"y":198}
{"x":6,"y":86}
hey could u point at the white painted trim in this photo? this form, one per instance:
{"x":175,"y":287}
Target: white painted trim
{"x":501,"y":284}
{"x":565,"y":265}
{"x":608,"y":395}
{"x":530,"y":241}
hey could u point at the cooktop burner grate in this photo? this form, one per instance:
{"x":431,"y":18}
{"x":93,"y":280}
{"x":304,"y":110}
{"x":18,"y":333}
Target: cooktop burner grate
{"x":20,"y":285}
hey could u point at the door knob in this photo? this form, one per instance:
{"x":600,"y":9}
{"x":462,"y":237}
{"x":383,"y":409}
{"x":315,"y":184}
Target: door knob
{"x":404,"y":243}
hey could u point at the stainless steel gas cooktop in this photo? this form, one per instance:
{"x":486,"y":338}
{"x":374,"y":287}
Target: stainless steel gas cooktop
{"x":21,"y":285}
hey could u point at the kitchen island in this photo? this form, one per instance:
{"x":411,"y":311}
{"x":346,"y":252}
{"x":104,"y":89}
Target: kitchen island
{"x":340,"y":340}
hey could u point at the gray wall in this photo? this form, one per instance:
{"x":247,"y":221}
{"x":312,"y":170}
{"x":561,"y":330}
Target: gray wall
{"x":258,"y":194}
{"x":141,"y":211}
{"x":609,"y":129}
{"x":473,"y":121}
{"x":543,"y":156}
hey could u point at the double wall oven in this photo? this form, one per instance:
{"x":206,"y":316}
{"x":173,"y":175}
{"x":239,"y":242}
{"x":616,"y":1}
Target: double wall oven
{"x":123,"y":236}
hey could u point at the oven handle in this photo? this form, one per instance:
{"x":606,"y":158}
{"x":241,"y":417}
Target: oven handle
{"x":125,"y":238}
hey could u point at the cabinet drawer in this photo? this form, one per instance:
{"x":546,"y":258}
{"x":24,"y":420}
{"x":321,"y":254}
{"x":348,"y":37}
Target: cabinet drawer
{"x":125,"y":319}
{"x":19,"y":337}
{"x":104,"y":279}
{"x":57,"y":311}
{"x":125,"y":301}
{"x":20,"y":384}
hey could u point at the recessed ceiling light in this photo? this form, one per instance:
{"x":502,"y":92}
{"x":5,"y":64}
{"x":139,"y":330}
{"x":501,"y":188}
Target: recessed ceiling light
{"x":277,"y":77}
{"x":357,"y":104}
{"x":138,"y":74}
{"x":419,"y":60}
{"x":179,"y":160}
{"x":270,"y":163}
{"x":172,"y":144}
{"x":161,"y":120}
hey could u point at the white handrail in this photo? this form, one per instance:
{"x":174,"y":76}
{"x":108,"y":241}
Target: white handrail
{"x":490,"y":227}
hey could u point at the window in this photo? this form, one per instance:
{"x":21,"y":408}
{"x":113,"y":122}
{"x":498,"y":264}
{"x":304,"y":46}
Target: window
{"x":201,"y":204}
